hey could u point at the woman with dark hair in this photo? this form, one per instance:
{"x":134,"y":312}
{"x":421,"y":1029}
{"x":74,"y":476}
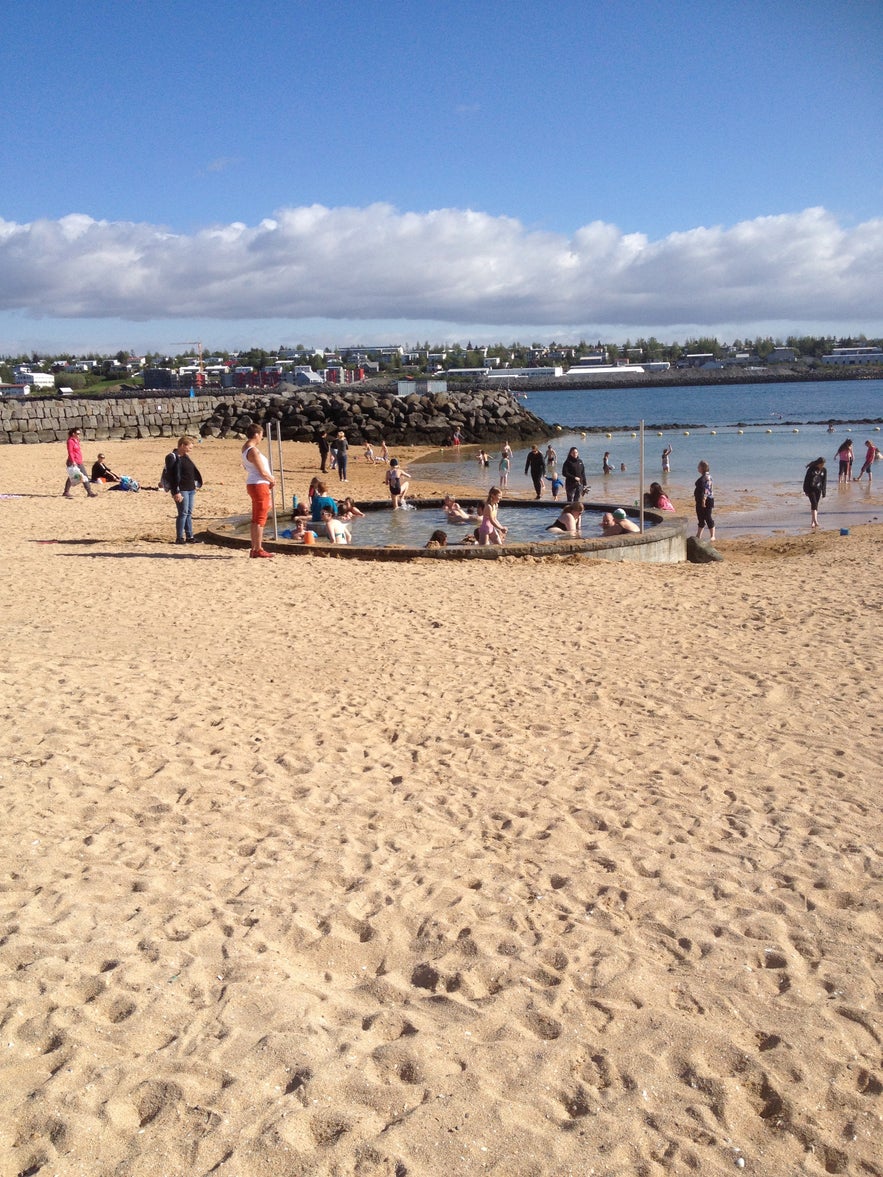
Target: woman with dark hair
{"x":844,"y":456}
{"x":574,"y":476}
{"x":656,"y":498}
{"x":815,"y":483}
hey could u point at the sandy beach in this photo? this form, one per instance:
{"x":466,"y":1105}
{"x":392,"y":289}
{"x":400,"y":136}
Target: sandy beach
{"x":523,"y":867}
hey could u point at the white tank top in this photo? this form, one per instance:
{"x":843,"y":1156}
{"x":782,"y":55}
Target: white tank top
{"x":252,"y":473}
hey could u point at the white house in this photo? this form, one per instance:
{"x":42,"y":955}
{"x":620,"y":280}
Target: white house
{"x":24,"y":375}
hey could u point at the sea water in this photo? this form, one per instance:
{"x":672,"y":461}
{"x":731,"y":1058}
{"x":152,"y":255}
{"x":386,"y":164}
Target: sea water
{"x":712,"y":405}
{"x":757,"y":438}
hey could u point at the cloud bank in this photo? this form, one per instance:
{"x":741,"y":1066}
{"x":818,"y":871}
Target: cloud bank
{"x":449,"y":266}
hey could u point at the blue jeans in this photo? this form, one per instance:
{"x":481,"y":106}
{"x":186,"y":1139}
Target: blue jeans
{"x":184,"y":522}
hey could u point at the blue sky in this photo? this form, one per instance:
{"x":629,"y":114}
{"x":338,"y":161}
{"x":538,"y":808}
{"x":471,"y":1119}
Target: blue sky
{"x":329,"y":173}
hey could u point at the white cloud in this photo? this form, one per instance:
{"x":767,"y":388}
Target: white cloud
{"x":444,"y":266}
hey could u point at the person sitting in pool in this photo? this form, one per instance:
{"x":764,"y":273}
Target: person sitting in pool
{"x":398,"y":481}
{"x":438,"y":539}
{"x":336,"y":530}
{"x":347,"y":509}
{"x":569,"y":522}
{"x":456,"y":514}
{"x":618,"y":523}
{"x":490,"y":530}
{"x":657,"y":498}
{"x":320,"y":500}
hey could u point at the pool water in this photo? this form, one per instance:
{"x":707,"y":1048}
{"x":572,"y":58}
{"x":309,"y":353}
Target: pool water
{"x":413,"y":528}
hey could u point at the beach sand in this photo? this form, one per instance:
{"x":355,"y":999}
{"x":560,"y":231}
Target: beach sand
{"x":525,"y":867}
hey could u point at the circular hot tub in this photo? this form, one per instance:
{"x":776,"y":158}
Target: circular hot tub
{"x":384,"y":534}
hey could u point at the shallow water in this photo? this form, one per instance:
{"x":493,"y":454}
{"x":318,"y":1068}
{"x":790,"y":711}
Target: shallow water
{"x":752,"y":459}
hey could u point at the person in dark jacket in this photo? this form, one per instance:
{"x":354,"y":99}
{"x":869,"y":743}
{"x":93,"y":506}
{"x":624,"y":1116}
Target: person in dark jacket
{"x":324,"y":450}
{"x":535,"y":466}
{"x":183,"y":480}
{"x":574,"y":476}
{"x":815,"y":483}
{"x":101,"y":472}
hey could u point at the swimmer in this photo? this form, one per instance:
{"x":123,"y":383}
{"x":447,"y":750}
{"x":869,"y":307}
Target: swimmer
{"x":347,"y":509}
{"x":569,"y":522}
{"x":336,"y":530}
{"x":455,"y":512}
{"x":618,"y":523}
{"x":398,"y":481}
{"x":438,"y":539}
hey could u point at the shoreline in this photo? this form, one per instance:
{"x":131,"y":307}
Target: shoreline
{"x":777,"y":511}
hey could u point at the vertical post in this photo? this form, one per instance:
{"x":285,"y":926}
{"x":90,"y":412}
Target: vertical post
{"x":641,"y":478}
{"x":281,"y":467}
{"x":272,"y":488}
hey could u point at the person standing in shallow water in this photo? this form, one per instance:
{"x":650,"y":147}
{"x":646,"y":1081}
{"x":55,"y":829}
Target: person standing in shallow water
{"x":871,"y":452}
{"x":815,"y":483}
{"x":535,"y":466}
{"x":574,"y":472}
{"x":844,"y":457}
{"x":703,"y":494}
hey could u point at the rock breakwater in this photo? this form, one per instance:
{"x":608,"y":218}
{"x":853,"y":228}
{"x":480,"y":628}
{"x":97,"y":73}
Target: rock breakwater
{"x":374,"y":416}
{"x":418,"y":419}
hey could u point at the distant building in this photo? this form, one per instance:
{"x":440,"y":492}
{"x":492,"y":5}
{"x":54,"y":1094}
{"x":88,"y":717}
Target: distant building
{"x":24,"y":375}
{"x":854,"y":355}
{"x":525,"y":373}
{"x":421,"y":387}
{"x":161,"y":379}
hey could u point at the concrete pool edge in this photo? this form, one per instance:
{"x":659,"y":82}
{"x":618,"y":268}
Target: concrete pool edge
{"x":665,"y":543}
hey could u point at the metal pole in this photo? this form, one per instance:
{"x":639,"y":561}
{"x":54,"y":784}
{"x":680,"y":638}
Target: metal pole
{"x":281,"y":467}
{"x":641,"y":478}
{"x":272,"y":488}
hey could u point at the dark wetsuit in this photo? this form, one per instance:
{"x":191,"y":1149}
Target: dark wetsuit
{"x":536,"y":467}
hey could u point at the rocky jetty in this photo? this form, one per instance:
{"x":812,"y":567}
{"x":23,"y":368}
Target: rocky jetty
{"x":417,"y":419}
